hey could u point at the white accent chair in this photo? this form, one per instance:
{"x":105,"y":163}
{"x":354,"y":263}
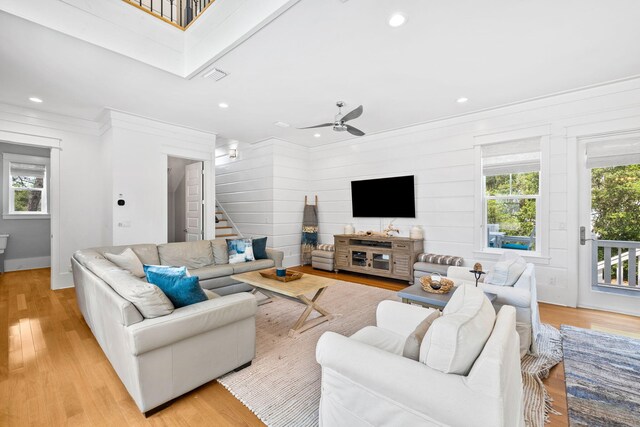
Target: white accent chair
{"x":366,"y":382}
{"x":522,"y":295}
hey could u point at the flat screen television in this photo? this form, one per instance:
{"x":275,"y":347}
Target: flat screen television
{"x":384,"y":198}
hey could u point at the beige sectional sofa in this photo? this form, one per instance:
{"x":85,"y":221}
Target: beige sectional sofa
{"x":161,"y":358}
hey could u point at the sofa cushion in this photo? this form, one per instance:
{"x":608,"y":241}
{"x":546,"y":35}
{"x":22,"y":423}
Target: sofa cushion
{"x":259,"y":248}
{"x":181,"y":290}
{"x":190,"y":254}
{"x":127,"y":260}
{"x":322,"y":254}
{"x":211,"y":271}
{"x":252,"y":266}
{"x":148,"y":253}
{"x":455,"y":340}
{"x":147,"y":298}
{"x":220,"y":251}
{"x":240,"y":250}
{"x":383,"y":339}
{"x":210,"y":294}
{"x":413,"y":341}
{"x":506,"y":272}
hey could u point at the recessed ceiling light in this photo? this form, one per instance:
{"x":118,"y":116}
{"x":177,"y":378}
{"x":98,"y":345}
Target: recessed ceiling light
{"x":36,"y":100}
{"x":282,"y":124}
{"x":462,"y":100}
{"x":223,"y":105}
{"x":397,"y":20}
{"x":317,"y":135}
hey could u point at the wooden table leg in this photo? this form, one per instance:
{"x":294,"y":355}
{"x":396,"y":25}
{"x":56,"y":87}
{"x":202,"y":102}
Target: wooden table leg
{"x":303,"y":324}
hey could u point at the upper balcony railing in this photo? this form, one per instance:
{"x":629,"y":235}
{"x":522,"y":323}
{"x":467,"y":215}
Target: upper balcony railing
{"x":180,"y":13}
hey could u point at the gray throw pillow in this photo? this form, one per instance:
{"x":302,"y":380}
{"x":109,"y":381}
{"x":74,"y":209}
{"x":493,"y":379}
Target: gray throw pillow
{"x":414,"y":341}
{"x":127,"y":260}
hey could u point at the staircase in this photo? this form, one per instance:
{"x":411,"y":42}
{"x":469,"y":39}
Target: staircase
{"x":225,"y":228}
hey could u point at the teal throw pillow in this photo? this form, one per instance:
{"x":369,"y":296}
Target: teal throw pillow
{"x":181,"y":289}
{"x":260,"y":248}
{"x":166,"y":270}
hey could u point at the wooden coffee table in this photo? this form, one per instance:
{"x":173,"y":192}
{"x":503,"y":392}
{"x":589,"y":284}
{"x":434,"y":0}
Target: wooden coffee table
{"x":295,"y":290}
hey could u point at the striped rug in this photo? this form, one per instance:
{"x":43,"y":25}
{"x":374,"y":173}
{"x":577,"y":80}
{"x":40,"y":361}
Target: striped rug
{"x":282,"y":386}
{"x":602,"y":375}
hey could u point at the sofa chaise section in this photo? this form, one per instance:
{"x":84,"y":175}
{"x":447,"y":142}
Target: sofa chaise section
{"x":159,"y":359}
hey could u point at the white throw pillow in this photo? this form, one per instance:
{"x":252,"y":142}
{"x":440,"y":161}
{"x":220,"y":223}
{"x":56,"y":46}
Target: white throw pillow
{"x":127,"y":260}
{"x":507,"y":272}
{"x":147,"y":298}
{"x":240,"y":250}
{"x":455,"y":340}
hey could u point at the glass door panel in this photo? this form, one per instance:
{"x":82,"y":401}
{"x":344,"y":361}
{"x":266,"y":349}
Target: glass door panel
{"x":358,"y":258}
{"x":381,"y":261}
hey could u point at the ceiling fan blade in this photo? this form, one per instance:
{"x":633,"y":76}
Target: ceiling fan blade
{"x":318,"y":126}
{"x":354,"y":131}
{"x":353,"y":114}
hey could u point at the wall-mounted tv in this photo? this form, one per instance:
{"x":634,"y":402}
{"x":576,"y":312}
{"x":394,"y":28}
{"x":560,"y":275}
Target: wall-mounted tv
{"x":384,"y":198}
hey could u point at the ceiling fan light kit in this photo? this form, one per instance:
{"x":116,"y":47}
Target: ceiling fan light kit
{"x":339,"y":123}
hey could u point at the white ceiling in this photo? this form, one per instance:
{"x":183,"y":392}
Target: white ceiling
{"x":493,"y":52}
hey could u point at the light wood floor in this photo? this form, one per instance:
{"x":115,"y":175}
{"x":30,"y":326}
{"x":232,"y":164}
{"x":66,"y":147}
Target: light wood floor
{"x":52,"y":371}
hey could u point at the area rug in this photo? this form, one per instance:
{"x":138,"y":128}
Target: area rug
{"x":537,"y":401}
{"x":602,"y":374}
{"x":282,"y":386}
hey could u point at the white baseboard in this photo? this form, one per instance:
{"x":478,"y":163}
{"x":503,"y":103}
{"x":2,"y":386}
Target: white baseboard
{"x":27,"y":263}
{"x":63,"y":281}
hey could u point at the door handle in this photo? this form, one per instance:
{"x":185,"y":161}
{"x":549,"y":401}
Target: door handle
{"x":185,"y":230}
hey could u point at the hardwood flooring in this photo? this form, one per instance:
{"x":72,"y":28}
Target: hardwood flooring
{"x":53,"y":372}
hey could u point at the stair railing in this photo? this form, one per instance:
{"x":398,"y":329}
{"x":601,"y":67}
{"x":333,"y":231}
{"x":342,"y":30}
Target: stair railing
{"x":180,"y":13}
{"x":228,"y":219}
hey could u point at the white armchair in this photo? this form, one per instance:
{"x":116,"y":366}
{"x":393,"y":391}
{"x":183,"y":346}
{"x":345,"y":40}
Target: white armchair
{"x":522,"y":295}
{"x":364,"y":385}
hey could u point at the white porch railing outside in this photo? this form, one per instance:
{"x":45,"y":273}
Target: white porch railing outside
{"x":602,"y":269}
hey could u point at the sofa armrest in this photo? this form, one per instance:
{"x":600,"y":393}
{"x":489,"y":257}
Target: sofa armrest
{"x":508,"y":295}
{"x":399,"y":317}
{"x":405,"y":382}
{"x":461,"y":273}
{"x":189,"y":321}
{"x":276,"y":255}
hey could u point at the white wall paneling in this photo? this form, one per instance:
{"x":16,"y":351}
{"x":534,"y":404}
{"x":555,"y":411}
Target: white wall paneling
{"x":442,"y":157}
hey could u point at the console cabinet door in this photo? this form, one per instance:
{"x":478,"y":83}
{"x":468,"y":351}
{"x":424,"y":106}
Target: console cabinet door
{"x":402,"y":264}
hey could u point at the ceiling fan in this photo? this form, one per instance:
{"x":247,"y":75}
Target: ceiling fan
{"x":339,"y":124}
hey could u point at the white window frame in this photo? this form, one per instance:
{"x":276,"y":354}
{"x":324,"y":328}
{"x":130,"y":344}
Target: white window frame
{"x":7,"y":205}
{"x":481,"y":249}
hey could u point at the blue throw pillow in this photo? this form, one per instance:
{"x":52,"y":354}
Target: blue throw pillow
{"x":181,"y":289}
{"x":165,"y":269}
{"x":260,"y":248}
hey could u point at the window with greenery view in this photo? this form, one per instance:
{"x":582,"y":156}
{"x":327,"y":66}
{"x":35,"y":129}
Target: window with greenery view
{"x":25,"y":186}
{"x":615,"y":210}
{"x":511,"y":208}
{"x":511,"y":194}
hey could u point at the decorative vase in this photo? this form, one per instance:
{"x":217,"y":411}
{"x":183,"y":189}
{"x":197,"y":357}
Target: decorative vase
{"x":349,"y":229}
{"x":416,"y":232}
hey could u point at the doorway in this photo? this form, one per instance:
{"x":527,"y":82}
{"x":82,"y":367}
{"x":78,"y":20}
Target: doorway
{"x":609,"y":206}
{"x":185,"y":200}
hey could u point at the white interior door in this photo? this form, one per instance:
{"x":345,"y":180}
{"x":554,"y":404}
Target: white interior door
{"x":194,"y":202}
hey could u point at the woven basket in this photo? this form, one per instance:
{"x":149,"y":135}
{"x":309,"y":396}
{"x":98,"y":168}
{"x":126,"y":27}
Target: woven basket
{"x":436,"y":284}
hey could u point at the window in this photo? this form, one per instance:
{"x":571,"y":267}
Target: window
{"x":511,"y":195}
{"x":25,"y":186}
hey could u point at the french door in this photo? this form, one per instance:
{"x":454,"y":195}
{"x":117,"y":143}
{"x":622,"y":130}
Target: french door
{"x":609,"y":247}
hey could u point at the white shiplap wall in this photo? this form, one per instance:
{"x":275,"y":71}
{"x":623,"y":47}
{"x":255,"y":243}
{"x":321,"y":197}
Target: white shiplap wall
{"x":263,"y":192}
{"x":441,"y":155}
